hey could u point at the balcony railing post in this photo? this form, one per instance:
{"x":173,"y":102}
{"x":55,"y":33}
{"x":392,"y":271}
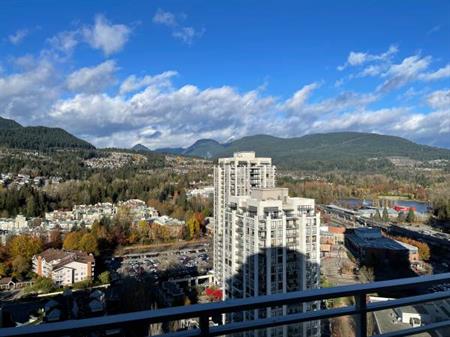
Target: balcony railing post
{"x":361,"y":317}
{"x":204,"y":325}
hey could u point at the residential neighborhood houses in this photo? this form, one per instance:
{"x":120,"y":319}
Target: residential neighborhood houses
{"x":82,"y":216}
{"x":10,"y":180}
{"x":204,"y":192}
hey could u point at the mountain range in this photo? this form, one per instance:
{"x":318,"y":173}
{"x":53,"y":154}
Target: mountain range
{"x":14,"y":135}
{"x":339,"y":150}
{"x":354,"y":150}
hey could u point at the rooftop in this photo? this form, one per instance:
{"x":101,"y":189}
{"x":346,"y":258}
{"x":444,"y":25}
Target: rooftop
{"x":65,"y":256}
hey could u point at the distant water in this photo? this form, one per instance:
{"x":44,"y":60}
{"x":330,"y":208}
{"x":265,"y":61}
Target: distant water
{"x":421,"y":207}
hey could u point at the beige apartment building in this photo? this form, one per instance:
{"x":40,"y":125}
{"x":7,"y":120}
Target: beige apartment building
{"x":236,"y":176}
{"x":64,"y":267}
{"x":265,"y":241}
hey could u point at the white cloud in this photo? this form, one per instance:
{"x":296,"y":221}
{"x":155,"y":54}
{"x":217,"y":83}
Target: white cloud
{"x":164,"y":117}
{"x":298,"y":105}
{"x":65,"y":41}
{"x":362,"y":120}
{"x":439,"y":99}
{"x":436,"y":75}
{"x":158,"y":114}
{"x":26,"y":96}
{"x":412,"y":68}
{"x":406,"y":71}
{"x":165,"y":18}
{"x":18,"y":36}
{"x":89,"y":114}
{"x":359,"y":58}
{"x":104,"y":35}
{"x":373,"y":70}
{"x":92,"y":79}
{"x":134,"y":83}
{"x":297,"y":102}
{"x":186,"y":34}
{"x":153,"y":110}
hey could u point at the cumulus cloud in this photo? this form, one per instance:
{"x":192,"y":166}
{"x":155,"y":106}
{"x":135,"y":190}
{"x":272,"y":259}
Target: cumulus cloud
{"x":18,"y":36}
{"x":102,"y":35}
{"x":154,"y":110}
{"x":170,"y":116}
{"x":91,"y":114}
{"x":25,"y":96}
{"x":173,"y":116}
{"x":108,"y":37}
{"x":92,"y":79}
{"x":186,"y":34}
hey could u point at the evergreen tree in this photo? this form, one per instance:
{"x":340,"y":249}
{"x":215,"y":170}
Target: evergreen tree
{"x":401,"y":217}
{"x":377,"y":216}
{"x":411,"y":217}
{"x":385,"y":215}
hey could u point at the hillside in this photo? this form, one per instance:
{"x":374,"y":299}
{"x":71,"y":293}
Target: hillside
{"x":352,"y":150}
{"x":8,"y":124}
{"x":14,"y":135}
{"x":141,"y":148}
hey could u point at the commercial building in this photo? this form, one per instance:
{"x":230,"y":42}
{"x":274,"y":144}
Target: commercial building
{"x":371,"y":247}
{"x":64,"y":267}
{"x":236,"y":176}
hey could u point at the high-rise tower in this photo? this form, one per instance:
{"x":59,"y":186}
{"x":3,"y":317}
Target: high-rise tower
{"x":265,"y":242}
{"x":236,"y":176}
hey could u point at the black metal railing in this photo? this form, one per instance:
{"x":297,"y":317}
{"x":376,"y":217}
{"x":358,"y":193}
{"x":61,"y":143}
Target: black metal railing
{"x":205,"y":311}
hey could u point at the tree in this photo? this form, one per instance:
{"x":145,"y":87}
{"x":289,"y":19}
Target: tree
{"x":401,"y":216}
{"x":3,"y":270}
{"x":88,"y":243}
{"x":41,"y":285}
{"x":31,"y":206}
{"x":143,"y":230}
{"x":385,"y":215}
{"x":20,"y":266}
{"x":424,"y":251}
{"x":377,"y":216}
{"x":411,"y":217}
{"x":104,"y":277}
{"x":25,"y":246}
{"x":55,"y":239}
{"x":72,"y":240}
{"x":164,"y":234}
{"x":192,"y":227}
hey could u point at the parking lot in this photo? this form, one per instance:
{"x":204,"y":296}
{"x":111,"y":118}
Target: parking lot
{"x":170,"y":263}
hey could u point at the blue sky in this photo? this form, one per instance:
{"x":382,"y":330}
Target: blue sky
{"x":166,"y":73}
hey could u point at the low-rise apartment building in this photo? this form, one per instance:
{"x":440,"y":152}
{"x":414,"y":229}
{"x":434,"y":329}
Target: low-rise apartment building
{"x":64,"y":267}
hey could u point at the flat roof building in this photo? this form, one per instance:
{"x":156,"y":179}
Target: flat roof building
{"x":371,"y":247}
